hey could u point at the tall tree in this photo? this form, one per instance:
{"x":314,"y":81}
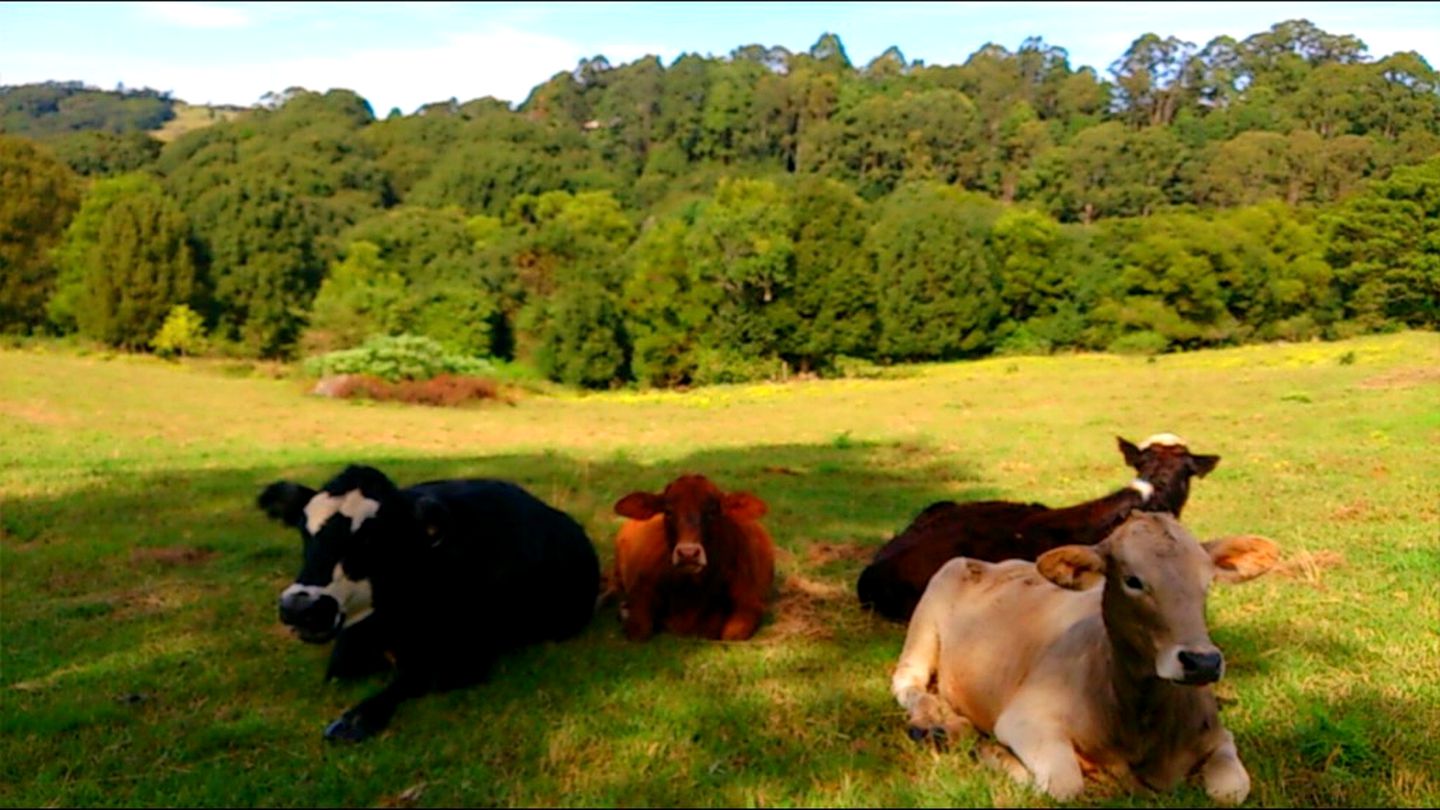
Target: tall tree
{"x":38,"y":195}
{"x":140,"y":267}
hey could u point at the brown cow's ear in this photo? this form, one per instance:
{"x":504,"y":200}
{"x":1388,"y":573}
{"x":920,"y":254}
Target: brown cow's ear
{"x":1242,"y":556}
{"x":1130,"y":451}
{"x":640,"y":505}
{"x":1201,"y":465}
{"x":744,"y":506}
{"x":1077,"y":568}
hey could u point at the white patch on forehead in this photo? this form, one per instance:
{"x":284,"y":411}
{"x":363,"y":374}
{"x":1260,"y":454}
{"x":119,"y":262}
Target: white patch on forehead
{"x":354,"y":596}
{"x":352,"y":504}
{"x":1163,"y":438}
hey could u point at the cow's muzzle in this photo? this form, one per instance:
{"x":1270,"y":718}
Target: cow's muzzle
{"x":1200,"y":667}
{"x":315,"y":619}
{"x":689,"y":557}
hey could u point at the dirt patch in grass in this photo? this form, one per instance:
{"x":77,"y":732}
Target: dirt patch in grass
{"x":1403,"y":378}
{"x":34,"y":414}
{"x":822,"y":553}
{"x":801,"y":607}
{"x":171,"y":555}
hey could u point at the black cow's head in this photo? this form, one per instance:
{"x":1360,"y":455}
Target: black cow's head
{"x":342,"y":527}
{"x":1164,"y":467}
{"x":691,"y":504}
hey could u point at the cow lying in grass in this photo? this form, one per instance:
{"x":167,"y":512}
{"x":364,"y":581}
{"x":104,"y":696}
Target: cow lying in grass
{"x":439,"y":577}
{"x":1094,"y":658}
{"x":1008,"y":530}
{"x":693,"y":560}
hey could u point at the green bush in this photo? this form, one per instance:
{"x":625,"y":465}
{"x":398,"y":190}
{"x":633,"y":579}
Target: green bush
{"x":182,"y":333}
{"x":1146,"y":342}
{"x":1023,"y":342}
{"x":396,"y":358}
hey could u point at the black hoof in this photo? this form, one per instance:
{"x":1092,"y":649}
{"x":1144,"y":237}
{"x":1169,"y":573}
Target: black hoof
{"x":917,"y":734}
{"x":345,"y":730}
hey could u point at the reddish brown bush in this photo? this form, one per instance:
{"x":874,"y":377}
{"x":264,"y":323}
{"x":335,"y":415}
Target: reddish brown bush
{"x":443,"y":390}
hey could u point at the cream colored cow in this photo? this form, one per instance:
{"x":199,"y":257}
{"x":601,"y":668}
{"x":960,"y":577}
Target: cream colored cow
{"x":1092,"y":659}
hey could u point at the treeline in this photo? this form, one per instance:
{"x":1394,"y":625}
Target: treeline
{"x":767,"y":212}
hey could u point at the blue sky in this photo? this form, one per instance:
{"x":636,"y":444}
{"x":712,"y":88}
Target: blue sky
{"x":407,"y":54}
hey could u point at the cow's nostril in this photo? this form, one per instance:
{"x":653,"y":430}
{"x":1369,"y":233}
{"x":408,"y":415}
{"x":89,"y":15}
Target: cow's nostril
{"x":1201,"y":663}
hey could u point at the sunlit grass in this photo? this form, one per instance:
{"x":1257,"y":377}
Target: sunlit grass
{"x":141,"y":661}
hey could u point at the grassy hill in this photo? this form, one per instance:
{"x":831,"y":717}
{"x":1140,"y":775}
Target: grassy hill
{"x":190,"y":117}
{"x":143,"y":663}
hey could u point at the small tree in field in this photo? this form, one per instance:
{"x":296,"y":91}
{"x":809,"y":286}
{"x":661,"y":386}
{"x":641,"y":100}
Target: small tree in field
{"x":182,"y":333}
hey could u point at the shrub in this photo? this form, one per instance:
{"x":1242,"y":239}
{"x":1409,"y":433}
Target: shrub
{"x":1146,"y":342}
{"x":1022,"y":341}
{"x":182,"y":333}
{"x":401,"y":357}
{"x":443,"y":390}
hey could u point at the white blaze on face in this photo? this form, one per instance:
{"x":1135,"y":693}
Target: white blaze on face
{"x":353,"y":595}
{"x":1169,"y":439}
{"x":352,"y":504}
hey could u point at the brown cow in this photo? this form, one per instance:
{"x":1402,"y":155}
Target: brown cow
{"x":694,"y":561}
{"x":1006,"y":530}
{"x":1074,"y":678}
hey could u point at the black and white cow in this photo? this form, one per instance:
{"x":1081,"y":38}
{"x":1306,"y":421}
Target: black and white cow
{"x":437,"y":578}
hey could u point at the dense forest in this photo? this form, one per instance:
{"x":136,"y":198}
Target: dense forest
{"x":753,"y":215}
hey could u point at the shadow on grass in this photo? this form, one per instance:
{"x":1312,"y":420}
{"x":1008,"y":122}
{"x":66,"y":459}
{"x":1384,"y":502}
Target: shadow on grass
{"x":144,"y":663}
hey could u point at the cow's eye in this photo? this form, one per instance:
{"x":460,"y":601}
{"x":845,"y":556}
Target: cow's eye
{"x":1133,"y":583}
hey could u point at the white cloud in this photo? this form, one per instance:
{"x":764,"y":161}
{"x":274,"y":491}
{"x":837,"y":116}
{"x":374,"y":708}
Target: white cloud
{"x":498,"y":61}
{"x":196,"y":15}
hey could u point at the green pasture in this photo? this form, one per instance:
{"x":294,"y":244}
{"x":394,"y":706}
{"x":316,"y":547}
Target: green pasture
{"x":142,"y":662}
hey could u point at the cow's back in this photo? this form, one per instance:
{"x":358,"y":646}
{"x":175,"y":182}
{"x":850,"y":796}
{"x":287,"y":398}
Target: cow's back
{"x":522,"y":558}
{"x":983,"y":530}
{"x":997,"y":624}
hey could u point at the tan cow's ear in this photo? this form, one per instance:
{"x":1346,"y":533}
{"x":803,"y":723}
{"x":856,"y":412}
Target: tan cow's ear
{"x":1077,"y":568}
{"x":640,"y":505}
{"x":744,"y":506}
{"x":1242,"y":556}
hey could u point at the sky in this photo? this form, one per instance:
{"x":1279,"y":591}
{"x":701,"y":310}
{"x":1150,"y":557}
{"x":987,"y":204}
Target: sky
{"x":408,"y":54}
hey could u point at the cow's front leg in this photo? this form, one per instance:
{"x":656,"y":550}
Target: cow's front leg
{"x":371,"y":715}
{"x":359,"y":651}
{"x":637,"y":613}
{"x":742,"y":623}
{"x":1225,"y":778}
{"x":1049,"y":756}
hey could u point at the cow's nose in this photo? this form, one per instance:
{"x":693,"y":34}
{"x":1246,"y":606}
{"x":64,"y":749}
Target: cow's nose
{"x":1201,"y":667}
{"x":293,"y":607}
{"x":689,"y":555}
{"x":307,"y":612}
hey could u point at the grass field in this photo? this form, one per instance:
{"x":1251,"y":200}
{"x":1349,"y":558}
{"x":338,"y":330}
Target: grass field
{"x":142,"y":662}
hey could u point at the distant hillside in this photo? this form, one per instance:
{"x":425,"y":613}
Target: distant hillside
{"x":190,"y":117}
{"x":52,"y":109}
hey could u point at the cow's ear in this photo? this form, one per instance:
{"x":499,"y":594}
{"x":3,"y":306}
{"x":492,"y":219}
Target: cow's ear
{"x":285,"y":501}
{"x":744,"y":506}
{"x":1202,"y":465}
{"x":640,"y":505}
{"x":434,"y":519}
{"x":1077,"y":568}
{"x":1130,"y":451}
{"x":1242,"y":556}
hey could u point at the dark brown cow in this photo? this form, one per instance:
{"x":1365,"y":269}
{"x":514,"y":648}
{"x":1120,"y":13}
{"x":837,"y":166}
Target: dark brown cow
{"x":1005,"y":530}
{"x":694,"y":561}
{"x":1094,"y":659}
